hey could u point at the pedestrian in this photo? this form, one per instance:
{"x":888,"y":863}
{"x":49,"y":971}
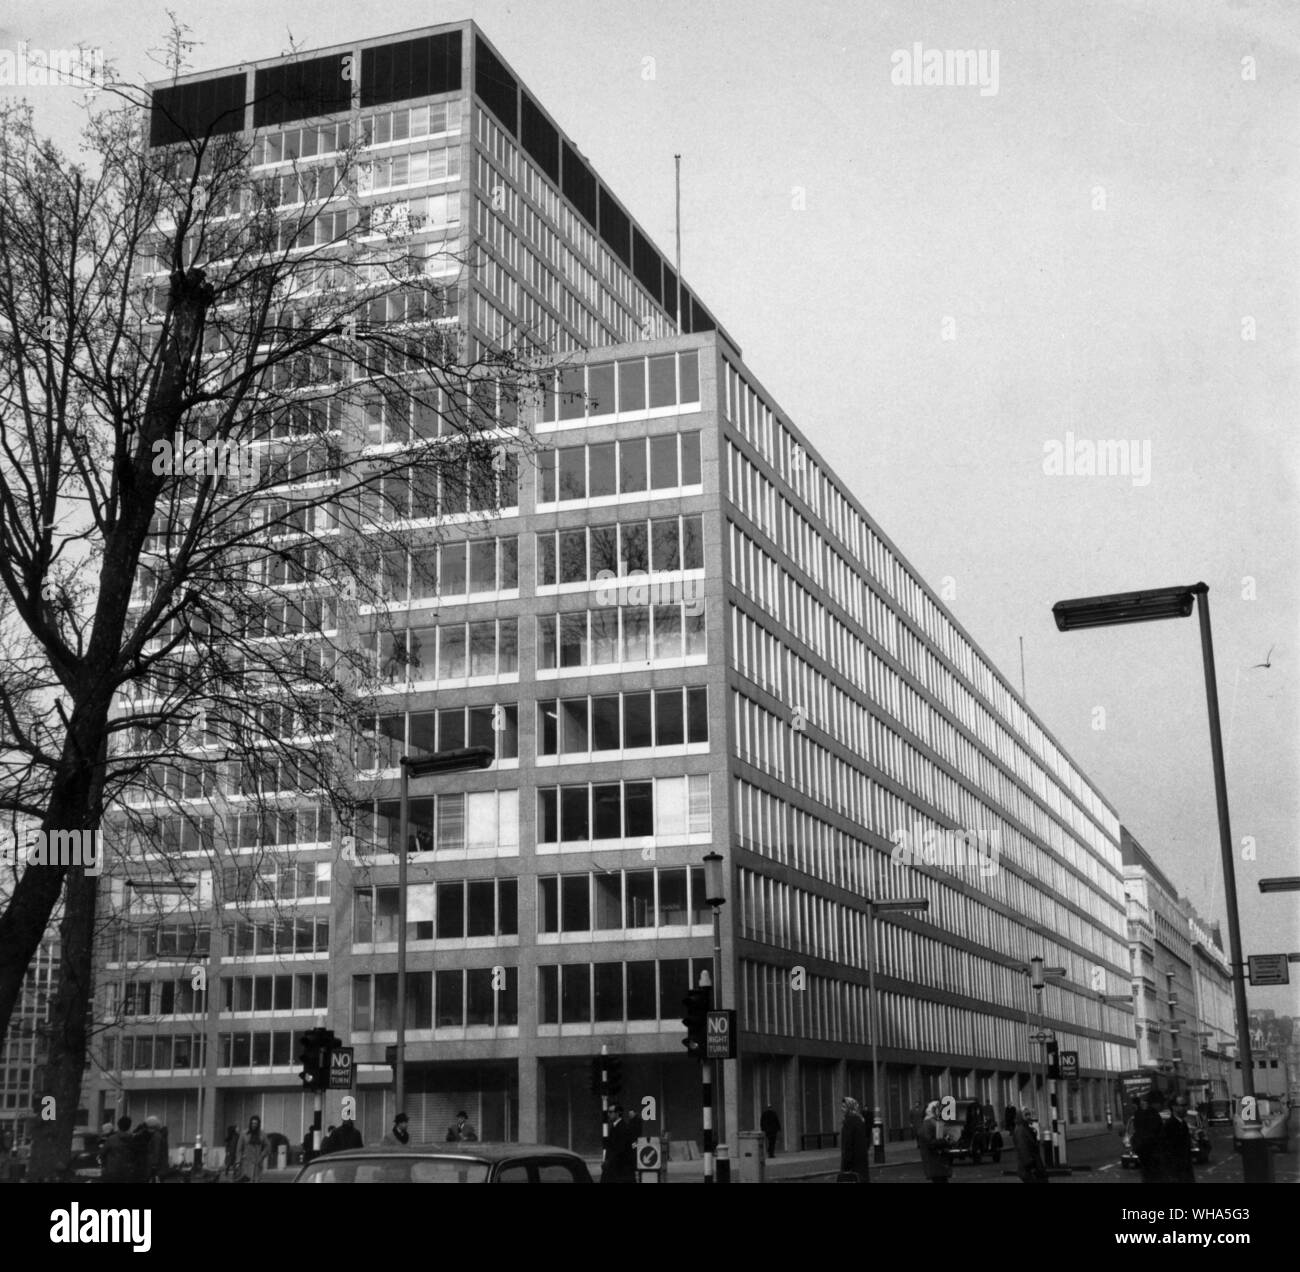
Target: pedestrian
{"x":347,"y":1136}
{"x":119,"y":1155}
{"x":232,"y":1150}
{"x":251,"y":1153}
{"x":770,"y":1125}
{"x":855,"y":1147}
{"x":461,"y":1131}
{"x":1147,"y":1138}
{"x":933,"y":1142}
{"x":619,"y":1166}
{"x":399,"y":1135}
{"x":1029,"y":1157}
{"x":1176,"y":1146}
{"x":916,"y":1118}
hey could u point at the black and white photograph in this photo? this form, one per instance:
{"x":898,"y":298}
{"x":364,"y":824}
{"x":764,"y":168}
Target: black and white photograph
{"x":654,"y":594}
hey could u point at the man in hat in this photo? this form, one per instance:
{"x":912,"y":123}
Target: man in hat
{"x":399,"y":1134}
{"x":461,"y":1131}
{"x":1147,"y":1138}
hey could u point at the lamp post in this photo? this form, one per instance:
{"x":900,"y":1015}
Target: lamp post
{"x":1288,"y":883}
{"x":1108,"y":1000}
{"x":469,"y":757}
{"x":873,"y":1011}
{"x":715,"y":895}
{"x":1036,"y":977}
{"x":1177,"y":602}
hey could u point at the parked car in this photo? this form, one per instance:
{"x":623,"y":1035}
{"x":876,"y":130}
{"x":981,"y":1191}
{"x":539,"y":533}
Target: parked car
{"x":1273,"y":1117}
{"x":84,"y":1163}
{"x":453,"y":1164}
{"x":1219,"y":1113}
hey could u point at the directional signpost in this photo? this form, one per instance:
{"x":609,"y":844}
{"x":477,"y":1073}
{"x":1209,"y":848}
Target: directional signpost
{"x":1269,"y":969}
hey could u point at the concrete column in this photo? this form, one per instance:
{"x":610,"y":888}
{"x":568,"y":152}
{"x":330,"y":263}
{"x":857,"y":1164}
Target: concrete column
{"x":532,"y":1097}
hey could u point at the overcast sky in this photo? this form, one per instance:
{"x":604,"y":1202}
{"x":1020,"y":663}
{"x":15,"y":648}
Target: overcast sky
{"x":944,"y":284}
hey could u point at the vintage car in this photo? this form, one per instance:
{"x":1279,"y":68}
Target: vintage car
{"x":451,"y":1164}
{"x":1200,"y":1142}
{"x":977,"y":1134}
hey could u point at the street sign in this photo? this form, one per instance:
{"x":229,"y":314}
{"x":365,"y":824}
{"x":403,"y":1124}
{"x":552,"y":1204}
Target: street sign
{"x":1070,"y":1065}
{"x":1042,"y":1036}
{"x":649,"y":1156}
{"x":720,"y":1037}
{"x":1269,"y":969}
{"x":341,"y":1069}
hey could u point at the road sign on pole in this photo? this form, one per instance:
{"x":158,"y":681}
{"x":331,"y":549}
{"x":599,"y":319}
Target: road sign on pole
{"x":341,"y":1069}
{"x":1069,"y":1064}
{"x":1269,"y":969}
{"x":720,"y":1038}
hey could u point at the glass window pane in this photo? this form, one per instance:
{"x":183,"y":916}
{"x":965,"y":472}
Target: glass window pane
{"x":548,"y":815}
{"x":609,"y":901}
{"x":631,"y":466}
{"x":449,"y":995}
{"x":689,"y":364}
{"x":573,"y":639}
{"x":669,"y":723}
{"x":546,"y":463}
{"x":668,"y":631}
{"x":663,"y":380}
{"x":607,"y":811}
{"x":508,"y":645}
{"x":545,"y":559}
{"x":575,"y":991}
{"x":548,"y":903}
{"x":697,"y":715}
{"x":631,"y":385}
{"x":483,"y":649}
{"x":636,"y":720}
{"x":451,"y":910}
{"x":507,"y":907}
{"x":575,"y":903}
{"x":482,"y":907}
{"x":609,"y":991}
{"x":451,"y":729}
{"x":451,"y":581}
{"x":600,"y":388}
{"x":636,"y":633}
{"x":480,"y":998}
{"x":548,"y":727}
{"x":641,"y":1004}
{"x":573,"y":472}
{"x":672,"y":898}
{"x":674,"y":981}
{"x":605,"y":723}
{"x":604,"y":551}
{"x":548,"y":994}
{"x":571,"y":393}
{"x":508,"y":575}
{"x":690,"y":459}
{"x":600,"y":468}
{"x":604,"y":636}
{"x":699,"y":906}
{"x":547,"y":646}
{"x":663,"y":462}
{"x":639,"y":909}
{"x":451,"y":821}
{"x":638,"y":809}
{"x":451,"y":651}
{"x":633,"y":547}
{"x":574,"y":824}
{"x":692,"y":543}
{"x":573,"y":556}
{"x":483,"y":565}
{"x":694,"y":629}
{"x":574,"y":735}
{"x":664,"y":547}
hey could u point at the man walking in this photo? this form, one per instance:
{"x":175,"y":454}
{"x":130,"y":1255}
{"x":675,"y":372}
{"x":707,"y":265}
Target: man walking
{"x":1029,"y":1157}
{"x":770,"y":1125}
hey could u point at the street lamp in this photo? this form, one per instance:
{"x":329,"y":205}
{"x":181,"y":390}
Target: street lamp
{"x":902,"y":905}
{"x":715,"y":895}
{"x":1113,"y":1000}
{"x":1177,"y":602}
{"x":1289,"y":883}
{"x":455,"y":761}
{"x":1037,"y":975}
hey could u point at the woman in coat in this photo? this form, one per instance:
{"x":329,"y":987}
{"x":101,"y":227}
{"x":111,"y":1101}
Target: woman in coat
{"x":252,"y":1153}
{"x":1029,"y":1157}
{"x":855,"y":1147}
{"x":934,"y":1156}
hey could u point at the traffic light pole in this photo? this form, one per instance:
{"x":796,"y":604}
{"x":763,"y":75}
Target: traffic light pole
{"x":706,"y":1108}
{"x":604,"y":1106}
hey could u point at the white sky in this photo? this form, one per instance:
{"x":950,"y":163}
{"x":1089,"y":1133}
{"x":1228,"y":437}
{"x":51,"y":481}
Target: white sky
{"x":925,"y":203}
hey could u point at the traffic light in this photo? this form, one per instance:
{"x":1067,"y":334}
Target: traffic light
{"x":614,"y":1074}
{"x":1053,"y":1060}
{"x":313,"y":1055}
{"x":696,"y":1021}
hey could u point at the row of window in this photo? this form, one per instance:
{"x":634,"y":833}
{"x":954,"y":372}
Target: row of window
{"x":411,"y":122}
{"x":160,"y":1053}
{"x":290,"y":144}
{"x":591,"y":553}
{"x":621,"y":900}
{"x":449,"y":910}
{"x":477,"y":824}
{"x":418,"y":495}
{"x":282,"y":936}
{"x":276,"y":881}
{"x":622,"y":722}
{"x":158,"y":998}
{"x":303,"y":992}
{"x":454,"y":999}
{"x":446,"y":571}
{"x":440,"y":411}
{"x":630,"y":385}
{"x":177,"y":938}
{"x":416,"y":733}
{"x":290,"y":827}
{"x":419,"y":167}
{"x":449,"y":652}
{"x":669,"y":461}
{"x":590,"y":993}
{"x":595,"y":811}
{"x":622,"y":635}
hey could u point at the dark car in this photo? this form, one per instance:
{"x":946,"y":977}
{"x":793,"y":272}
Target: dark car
{"x":452,"y":1164}
{"x":978,"y":1137}
{"x":84,"y":1164}
{"x":1200,"y":1142}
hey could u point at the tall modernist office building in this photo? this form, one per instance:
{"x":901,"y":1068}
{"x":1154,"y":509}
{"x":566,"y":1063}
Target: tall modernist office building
{"x":683,"y":635}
